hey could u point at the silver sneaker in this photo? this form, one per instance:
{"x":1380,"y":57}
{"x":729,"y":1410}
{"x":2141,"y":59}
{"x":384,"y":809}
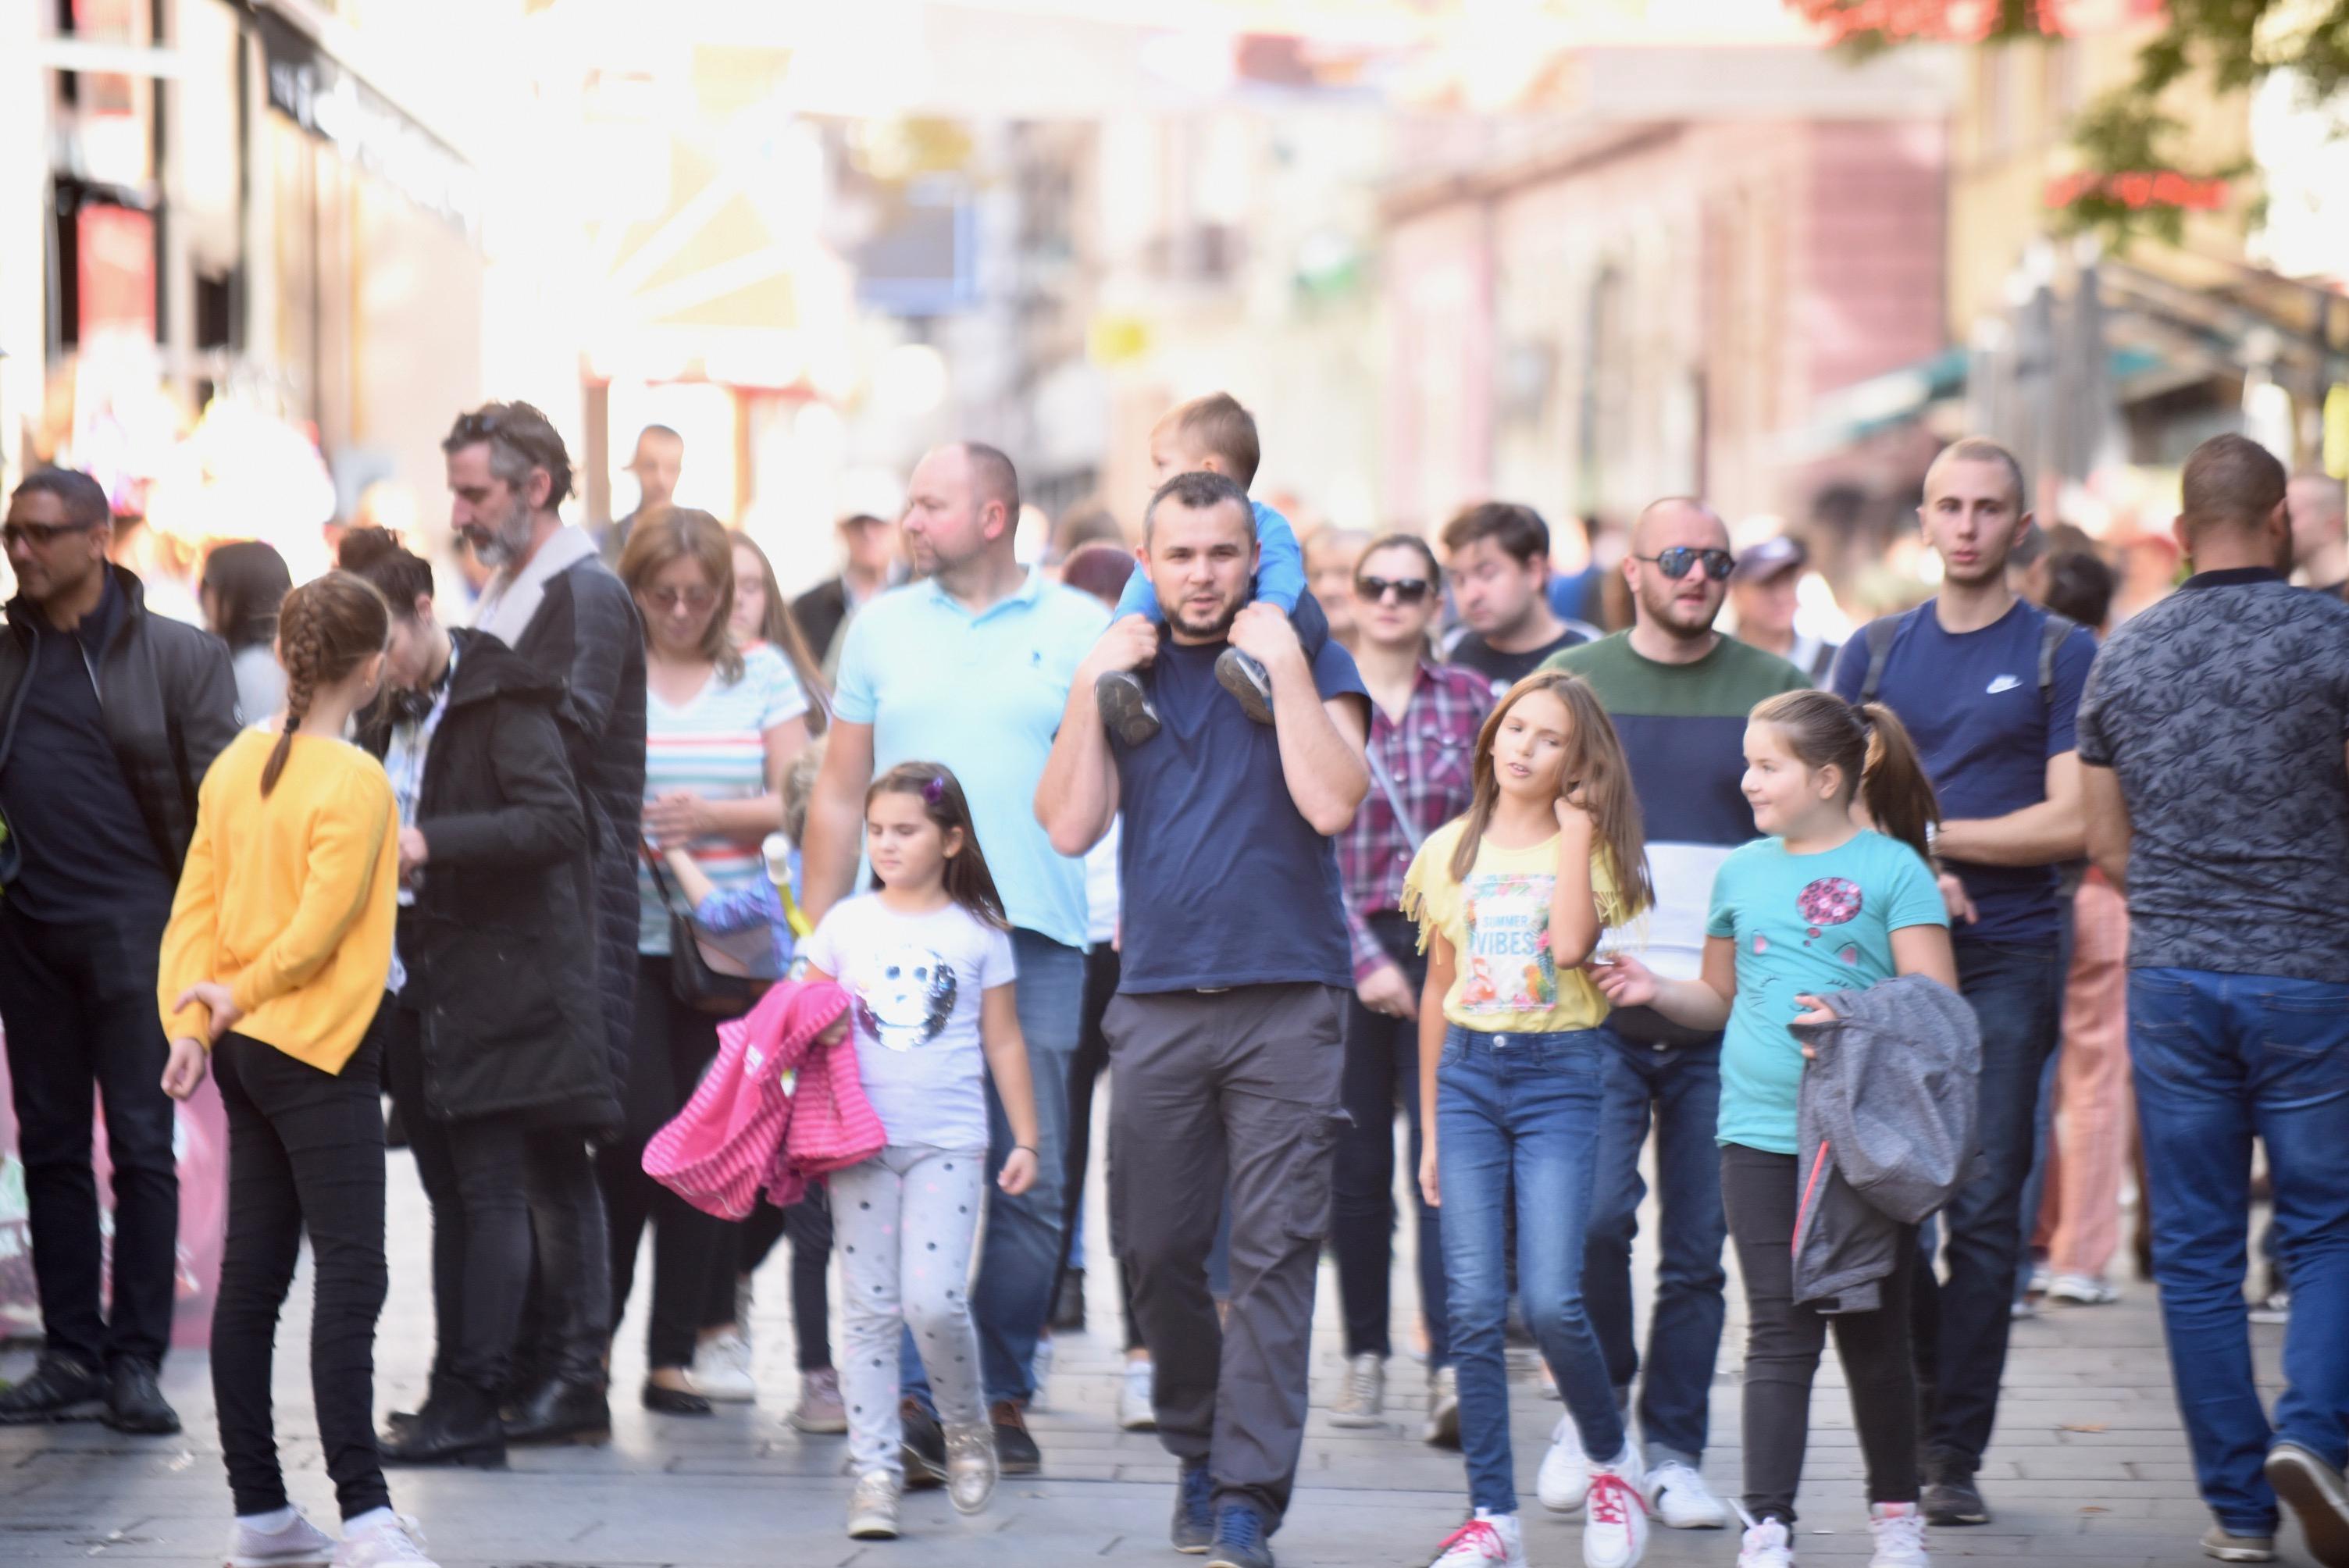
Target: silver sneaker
{"x":1442,"y":1429}
{"x":1362,"y":1400}
{"x":971,"y":1467}
{"x":873,"y":1507}
{"x":301,"y":1545}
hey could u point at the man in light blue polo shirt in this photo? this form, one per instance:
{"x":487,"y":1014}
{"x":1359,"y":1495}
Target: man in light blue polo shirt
{"x":970,"y":667}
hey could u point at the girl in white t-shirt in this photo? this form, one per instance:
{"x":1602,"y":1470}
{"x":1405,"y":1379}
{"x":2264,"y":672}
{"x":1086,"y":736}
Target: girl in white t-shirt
{"x":928,"y":956}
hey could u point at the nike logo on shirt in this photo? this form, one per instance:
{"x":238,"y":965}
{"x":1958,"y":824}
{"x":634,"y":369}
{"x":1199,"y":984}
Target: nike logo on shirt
{"x":2002,"y":683}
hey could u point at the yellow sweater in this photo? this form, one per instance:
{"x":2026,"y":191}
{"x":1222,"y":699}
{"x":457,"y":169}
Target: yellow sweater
{"x":289,"y":901}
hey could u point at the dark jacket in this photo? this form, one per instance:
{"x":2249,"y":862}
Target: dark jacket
{"x":818,"y":613}
{"x":586,"y":635}
{"x":1885,"y":1129}
{"x":169,"y":702}
{"x":501,"y":967}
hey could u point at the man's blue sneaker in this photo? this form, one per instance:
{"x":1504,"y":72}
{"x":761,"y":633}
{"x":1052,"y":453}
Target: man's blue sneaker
{"x":1239,"y":1539}
{"x":1194,"y":1510}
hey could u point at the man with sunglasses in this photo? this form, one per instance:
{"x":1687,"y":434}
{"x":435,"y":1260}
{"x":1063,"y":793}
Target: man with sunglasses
{"x":110,"y":714}
{"x":1497,"y":564}
{"x":1988,"y":686}
{"x":1678,"y":692}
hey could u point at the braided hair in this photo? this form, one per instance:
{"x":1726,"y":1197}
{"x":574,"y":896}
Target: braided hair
{"x":325,"y":629}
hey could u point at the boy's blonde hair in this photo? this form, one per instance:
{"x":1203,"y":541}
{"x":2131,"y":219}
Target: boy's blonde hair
{"x":1217,"y":425}
{"x":799,"y":788}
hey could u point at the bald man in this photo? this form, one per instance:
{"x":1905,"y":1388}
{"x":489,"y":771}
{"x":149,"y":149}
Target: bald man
{"x":1678,"y":692}
{"x":2320,"y":533}
{"x":659,"y":459}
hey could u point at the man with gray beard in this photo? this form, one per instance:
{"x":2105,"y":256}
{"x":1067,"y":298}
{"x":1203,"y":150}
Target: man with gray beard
{"x":552,"y":601}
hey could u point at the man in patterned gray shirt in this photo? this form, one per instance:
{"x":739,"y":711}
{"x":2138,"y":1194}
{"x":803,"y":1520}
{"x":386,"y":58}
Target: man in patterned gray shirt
{"x":2216,"y":789}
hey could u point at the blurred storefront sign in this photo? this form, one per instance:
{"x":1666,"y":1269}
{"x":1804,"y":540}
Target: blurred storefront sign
{"x":115,"y":258}
{"x":2140,"y":190}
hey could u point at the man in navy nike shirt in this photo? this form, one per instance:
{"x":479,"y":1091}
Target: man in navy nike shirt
{"x":1988,"y":686}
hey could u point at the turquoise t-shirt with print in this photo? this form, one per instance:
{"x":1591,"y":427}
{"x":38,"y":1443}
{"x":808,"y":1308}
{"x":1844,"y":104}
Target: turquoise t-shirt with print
{"x":1803,"y":925}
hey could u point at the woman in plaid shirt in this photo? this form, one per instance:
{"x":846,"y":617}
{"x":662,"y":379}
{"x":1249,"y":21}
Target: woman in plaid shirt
{"x":1423,"y":748}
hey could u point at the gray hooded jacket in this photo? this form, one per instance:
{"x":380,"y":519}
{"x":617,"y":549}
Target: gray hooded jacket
{"x":1885,"y":1128}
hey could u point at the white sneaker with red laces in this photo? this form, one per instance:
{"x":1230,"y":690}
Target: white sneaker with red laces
{"x":1899,"y":1531}
{"x":1488,"y":1541}
{"x":1766,"y":1546}
{"x":1615,"y":1516}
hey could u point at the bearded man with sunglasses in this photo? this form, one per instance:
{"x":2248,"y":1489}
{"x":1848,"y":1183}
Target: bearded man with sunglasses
{"x":110,"y":714}
{"x":1678,"y":692}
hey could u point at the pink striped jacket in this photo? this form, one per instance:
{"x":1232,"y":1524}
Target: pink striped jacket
{"x":743,"y":1131}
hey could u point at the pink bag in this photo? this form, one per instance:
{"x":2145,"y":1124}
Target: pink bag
{"x":727,"y":1142}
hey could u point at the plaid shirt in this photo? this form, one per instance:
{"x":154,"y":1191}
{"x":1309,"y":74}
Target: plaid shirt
{"x":1431,"y":757}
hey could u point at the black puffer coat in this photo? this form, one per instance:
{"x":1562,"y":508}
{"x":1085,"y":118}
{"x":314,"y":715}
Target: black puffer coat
{"x":501,"y":946}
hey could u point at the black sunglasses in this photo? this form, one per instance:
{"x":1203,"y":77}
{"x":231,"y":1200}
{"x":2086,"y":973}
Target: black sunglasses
{"x":1676,"y":563}
{"x":41,"y":535}
{"x":1406,"y":590}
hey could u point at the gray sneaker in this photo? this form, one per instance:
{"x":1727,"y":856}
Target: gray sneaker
{"x":2316,"y":1492}
{"x":1442,"y":1429}
{"x":971,"y":1470}
{"x":1125,"y":707}
{"x":2226,"y":1548}
{"x":1362,"y":1400}
{"x":873,"y":1507}
{"x":1248,"y":680}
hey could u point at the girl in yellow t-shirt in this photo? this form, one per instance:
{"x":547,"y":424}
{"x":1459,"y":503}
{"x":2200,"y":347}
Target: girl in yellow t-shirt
{"x":1511,"y":902}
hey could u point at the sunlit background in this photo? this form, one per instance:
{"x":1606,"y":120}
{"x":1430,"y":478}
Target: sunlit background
{"x":1577,"y":254}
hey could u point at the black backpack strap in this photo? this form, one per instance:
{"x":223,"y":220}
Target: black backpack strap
{"x":1879,"y":635}
{"x":2051,"y":641}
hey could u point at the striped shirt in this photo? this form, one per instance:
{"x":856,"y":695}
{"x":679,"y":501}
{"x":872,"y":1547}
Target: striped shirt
{"x":715,"y":746}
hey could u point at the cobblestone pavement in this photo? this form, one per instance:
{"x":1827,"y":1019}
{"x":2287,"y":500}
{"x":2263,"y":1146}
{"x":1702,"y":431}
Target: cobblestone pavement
{"x":2088,"y":1467}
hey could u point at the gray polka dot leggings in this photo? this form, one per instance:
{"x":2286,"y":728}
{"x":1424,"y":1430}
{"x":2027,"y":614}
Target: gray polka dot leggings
{"x":907,"y":1221}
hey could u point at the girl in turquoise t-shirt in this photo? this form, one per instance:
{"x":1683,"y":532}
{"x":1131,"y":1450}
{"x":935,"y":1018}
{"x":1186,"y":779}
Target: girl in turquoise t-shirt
{"x":1823,"y":904}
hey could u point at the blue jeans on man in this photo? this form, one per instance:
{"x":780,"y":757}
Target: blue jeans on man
{"x":1962,"y":1314}
{"x":1020,"y":1257}
{"x":1520,"y":1111}
{"x":2221,"y":1059}
{"x":1679,"y":1085}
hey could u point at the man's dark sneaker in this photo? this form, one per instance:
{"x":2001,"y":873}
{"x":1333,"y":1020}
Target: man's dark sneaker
{"x":1248,"y":680}
{"x":134,"y":1404}
{"x":1126,"y":709}
{"x":2315,"y":1491}
{"x":1239,"y":1539}
{"x":1069,"y":1303}
{"x":1194,"y":1510}
{"x":559,"y":1411}
{"x":1015,"y":1451}
{"x":922,"y":1445}
{"x":1953,"y":1499}
{"x":60,"y":1390}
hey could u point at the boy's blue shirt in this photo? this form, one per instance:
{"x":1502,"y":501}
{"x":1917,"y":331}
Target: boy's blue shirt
{"x":1280,"y":571}
{"x":754,"y":903}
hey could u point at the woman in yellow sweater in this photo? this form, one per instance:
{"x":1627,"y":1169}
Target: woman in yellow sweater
{"x":277,"y":954}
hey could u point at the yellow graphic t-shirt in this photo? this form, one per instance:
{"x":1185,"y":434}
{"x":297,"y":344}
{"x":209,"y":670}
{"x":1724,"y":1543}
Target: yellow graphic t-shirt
{"x":1497,"y":921}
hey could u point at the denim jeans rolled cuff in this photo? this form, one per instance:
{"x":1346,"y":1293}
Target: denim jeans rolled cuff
{"x":1519,"y":1113}
{"x":2219,"y":1059}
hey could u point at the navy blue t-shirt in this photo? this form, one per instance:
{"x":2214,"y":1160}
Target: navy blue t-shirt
{"x":1224,"y":882}
{"x":1971,"y":701}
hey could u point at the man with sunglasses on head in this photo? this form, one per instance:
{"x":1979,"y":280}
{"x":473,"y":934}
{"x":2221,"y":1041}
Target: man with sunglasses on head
{"x":110,"y":714}
{"x":1497,"y":565}
{"x":1988,"y":686}
{"x":1678,"y":692}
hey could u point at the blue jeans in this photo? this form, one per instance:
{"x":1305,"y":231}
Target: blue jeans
{"x":2221,"y":1059}
{"x":1960,"y":1319}
{"x":1519,"y":1109}
{"x":1019,"y":1258}
{"x":1680,"y":1087}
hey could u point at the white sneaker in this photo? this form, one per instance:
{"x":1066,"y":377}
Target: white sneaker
{"x":721,"y":1370}
{"x":1765,"y":1546}
{"x":1615,"y":1525}
{"x":1039,"y":1372}
{"x":1680,"y":1498}
{"x":1565,"y":1479}
{"x":2082,"y":1290}
{"x":873,"y":1507}
{"x":297,"y":1545}
{"x":1899,"y":1531}
{"x":971,"y":1467}
{"x":381,"y":1538}
{"x":1135,"y":1413}
{"x":1488,"y":1541}
{"x":1362,"y":1401}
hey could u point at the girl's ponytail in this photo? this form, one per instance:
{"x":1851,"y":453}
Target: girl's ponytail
{"x":1893,"y":783}
{"x":325,"y":629}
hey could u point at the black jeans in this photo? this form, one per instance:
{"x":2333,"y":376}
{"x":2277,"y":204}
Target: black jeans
{"x":77,"y":1004}
{"x":1382,"y":1067}
{"x":304,"y":1153}
{"x":496,"y":1184}
{"x":807,"y":1223}
{"x":1102,"y":971}
{"x":693,"y":1252}
{"x":1783,"y":1341}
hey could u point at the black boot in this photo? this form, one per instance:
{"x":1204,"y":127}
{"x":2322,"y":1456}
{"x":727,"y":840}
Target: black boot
{"x":133,"y":1402}
{"x":461,"y":1428}
{"x":561,"y":1411}
{"x":1069,"y":1303}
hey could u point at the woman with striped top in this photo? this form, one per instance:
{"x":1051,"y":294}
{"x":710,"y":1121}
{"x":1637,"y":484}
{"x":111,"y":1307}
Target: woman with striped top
{"x":722,"y":726}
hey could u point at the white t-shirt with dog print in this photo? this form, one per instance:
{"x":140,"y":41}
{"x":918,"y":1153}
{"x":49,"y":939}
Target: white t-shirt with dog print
{"x":917,"y":980}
